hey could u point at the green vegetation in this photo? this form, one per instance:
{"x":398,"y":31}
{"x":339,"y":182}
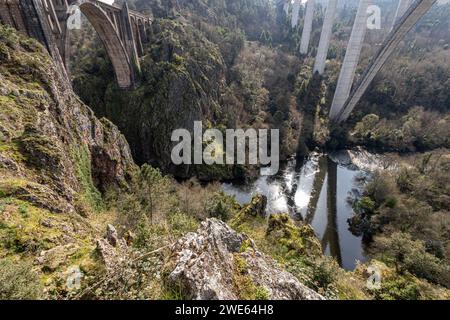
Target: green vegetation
{"x":410,"y":133}
{"x":297,"y":249}
{"x":22,"y":232}
{"x":295,"y":240}
{"x":197,"y":68}
{"x":18,"y":281}
{"x":245,"y":286}
{"x":411,"y":256}
{"x":404,"y":215}
{"x":221,"y":206}
{"x":89,"y":194}
{"x":232,"y":64}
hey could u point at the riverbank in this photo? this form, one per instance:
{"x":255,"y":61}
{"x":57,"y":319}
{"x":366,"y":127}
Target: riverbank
{"x":316,"y":190}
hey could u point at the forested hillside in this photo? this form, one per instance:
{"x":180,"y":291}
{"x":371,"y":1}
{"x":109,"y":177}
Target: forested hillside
{"x":236,"y":64}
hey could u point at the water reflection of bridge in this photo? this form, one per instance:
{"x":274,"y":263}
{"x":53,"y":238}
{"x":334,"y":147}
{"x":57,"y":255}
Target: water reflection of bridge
{"x":324,"y":176}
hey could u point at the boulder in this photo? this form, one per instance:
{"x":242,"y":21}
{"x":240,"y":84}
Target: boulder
{"x":112,"y":249}
{"x":256,"y":208}
{"x":216,"y":262}
{"x":111,"y":235}
{"x":55,"y":257}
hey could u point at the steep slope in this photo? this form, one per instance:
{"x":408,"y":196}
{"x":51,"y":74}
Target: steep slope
{"x":198,"y":65}
{"x":45,"y":128}
{"x":55,"y":156}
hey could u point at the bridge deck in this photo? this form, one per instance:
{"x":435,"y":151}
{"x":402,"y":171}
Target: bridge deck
{"x":118,"y":8}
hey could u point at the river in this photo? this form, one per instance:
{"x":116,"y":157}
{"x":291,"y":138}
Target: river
{"x":317,"y":190}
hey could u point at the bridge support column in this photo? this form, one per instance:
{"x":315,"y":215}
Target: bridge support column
{"x":307,"y":26}
{"x":295,"y":13}
{"x":351,"y":60}
{"x":11,"y":15}
{"x":325,"y":37}
{"x":403,"y":5}
{"x":412,"y":15}
{"x":130,"y":43}
{"x":5,"y":13}
{"x":286,"y":6}
{"x":61,"y":8}
{"x":35,"y":20}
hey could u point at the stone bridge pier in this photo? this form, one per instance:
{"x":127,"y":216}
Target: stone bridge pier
{"x":122,"y":31}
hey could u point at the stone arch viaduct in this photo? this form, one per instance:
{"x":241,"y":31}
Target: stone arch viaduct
{"x":122,"y":31}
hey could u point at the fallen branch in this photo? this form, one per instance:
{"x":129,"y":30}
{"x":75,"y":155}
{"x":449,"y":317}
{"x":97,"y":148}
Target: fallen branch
{"x":113,"y":275}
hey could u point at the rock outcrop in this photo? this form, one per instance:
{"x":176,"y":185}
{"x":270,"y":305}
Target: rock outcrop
{"x":218,"y":263}
{"x":257,"y":207}
{"x":112,"y":250}
{"x":179,"y":85}
{"x":297,"y":239}
{"x":50,"y":140}
{"x":55,"y":159}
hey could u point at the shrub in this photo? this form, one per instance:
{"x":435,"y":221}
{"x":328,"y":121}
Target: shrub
{"x":18,"y":281}
{"x":181,"y":223}
{"x":324,"y":274}
{"x":409,"y":255}
{"x":221,"y":206}
{"x":399,"y":288}
{"x":150,"y":199}
{"x":365,"y":205}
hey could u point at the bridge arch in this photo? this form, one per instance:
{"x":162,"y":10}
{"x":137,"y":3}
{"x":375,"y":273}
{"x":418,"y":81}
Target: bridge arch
{"x":106,"y":30}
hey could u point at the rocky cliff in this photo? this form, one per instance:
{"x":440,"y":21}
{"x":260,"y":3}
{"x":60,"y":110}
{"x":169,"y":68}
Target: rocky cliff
{"x":217,"y":263}
{"x":49,"y":138}
{"x":55,"y":159}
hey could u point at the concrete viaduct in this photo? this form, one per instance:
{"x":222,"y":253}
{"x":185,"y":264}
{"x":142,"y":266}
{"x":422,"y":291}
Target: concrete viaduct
{"x":345,"y":99}
{"x":122,"y":31}
{"x":401,"y":28}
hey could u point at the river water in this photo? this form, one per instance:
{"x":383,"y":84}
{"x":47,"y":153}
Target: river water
{"x":316,"y":190}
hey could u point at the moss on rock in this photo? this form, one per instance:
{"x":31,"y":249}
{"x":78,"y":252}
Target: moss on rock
{"x":245,"y":286}
{"x":297,"y":240}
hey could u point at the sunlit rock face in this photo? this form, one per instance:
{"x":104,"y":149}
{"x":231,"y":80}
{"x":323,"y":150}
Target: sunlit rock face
{"x":216,"y":262}
{"x":52,"y":140}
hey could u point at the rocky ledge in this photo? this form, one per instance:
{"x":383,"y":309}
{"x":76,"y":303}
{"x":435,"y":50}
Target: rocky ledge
{"x":216,"y":262}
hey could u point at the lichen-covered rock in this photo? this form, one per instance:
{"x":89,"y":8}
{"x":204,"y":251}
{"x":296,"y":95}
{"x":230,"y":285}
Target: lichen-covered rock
{"x":113,"y":250}
{"x":218,"y":263}
{"x":56,"y":158}
{"x":257,"y":207}
{"x":48,"y":136}
{"x":298,"y":239}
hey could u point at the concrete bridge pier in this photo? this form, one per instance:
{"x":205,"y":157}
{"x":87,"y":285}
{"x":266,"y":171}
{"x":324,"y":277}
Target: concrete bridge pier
{"x":412,"y":15}
{"x":63,"y":40}
{"x":348,"y":70}
{"x":325,"y":36}
{"x":24,"y":16}
{"x":286,"y":6}
{"x":130,"y":43}
{"x":11,"y":14}
{"x":295,"y":13}
{"x":403,"y":5}
{"x":307,"y":26}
